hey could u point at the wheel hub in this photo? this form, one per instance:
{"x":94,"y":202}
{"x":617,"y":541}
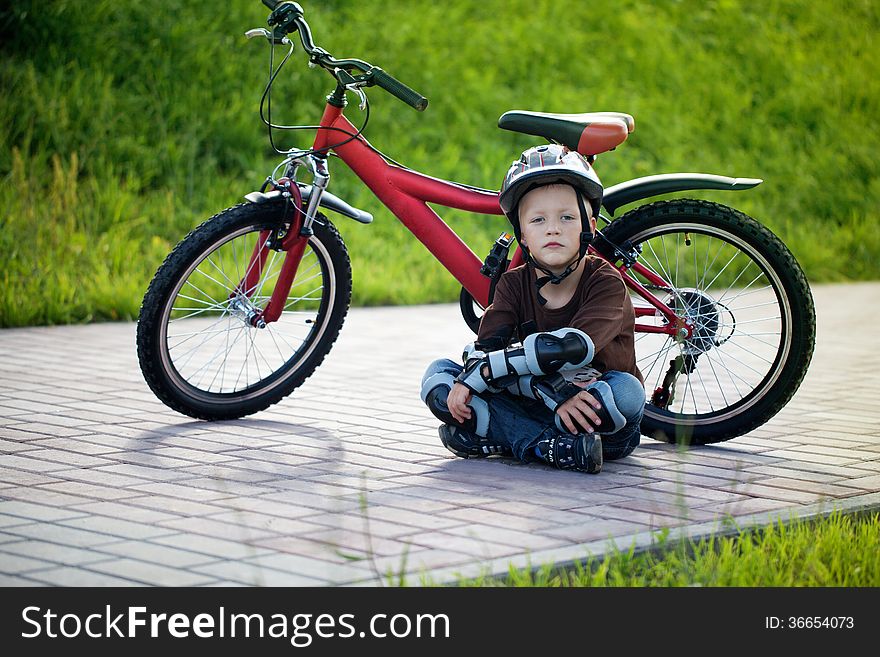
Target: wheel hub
{"x":700,"y":311}
{"x":242,"y":308}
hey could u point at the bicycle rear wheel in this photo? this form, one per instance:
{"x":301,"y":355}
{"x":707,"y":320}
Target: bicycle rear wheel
{"x":198,"y":348}
{"x":752,"y":310}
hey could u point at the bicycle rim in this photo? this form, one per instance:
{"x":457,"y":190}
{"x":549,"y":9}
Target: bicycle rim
{"x":208,"y":345}
{"x":742,"y":323}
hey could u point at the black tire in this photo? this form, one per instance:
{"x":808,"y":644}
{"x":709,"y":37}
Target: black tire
{"x":747,"y":361}
{"x":471,"y":311}
{"x":190,"y":298}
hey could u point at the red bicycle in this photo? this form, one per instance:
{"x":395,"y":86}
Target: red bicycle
{"x":248,"y":304}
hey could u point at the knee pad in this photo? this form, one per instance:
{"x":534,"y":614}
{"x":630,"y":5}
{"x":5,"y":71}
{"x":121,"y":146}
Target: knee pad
{"x":563,"y":349}
{"x":630,"y":394}
{"x":611,"y":419}
{"x":435,"y":390}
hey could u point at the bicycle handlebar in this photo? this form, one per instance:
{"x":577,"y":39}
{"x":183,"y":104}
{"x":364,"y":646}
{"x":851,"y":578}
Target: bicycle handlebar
{"x":399,"y":90}
{"x":293,"y":21}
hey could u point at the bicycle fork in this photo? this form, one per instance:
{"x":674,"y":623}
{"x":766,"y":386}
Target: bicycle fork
{"x":292,"y":241}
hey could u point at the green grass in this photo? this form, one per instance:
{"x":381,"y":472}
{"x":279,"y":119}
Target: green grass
{"x":127,"y":124}
{"x":840,"y":550}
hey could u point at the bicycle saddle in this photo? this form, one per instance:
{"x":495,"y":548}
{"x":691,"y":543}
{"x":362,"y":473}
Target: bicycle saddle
{"x":588,"y":134}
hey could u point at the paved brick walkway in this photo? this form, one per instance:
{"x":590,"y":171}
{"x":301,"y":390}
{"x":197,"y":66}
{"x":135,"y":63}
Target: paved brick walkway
{"x":345,"y":481}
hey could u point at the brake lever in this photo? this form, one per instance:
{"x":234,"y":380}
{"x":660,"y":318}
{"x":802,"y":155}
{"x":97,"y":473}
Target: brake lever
{"x":263,"y":32}
{"x":352,"y":83}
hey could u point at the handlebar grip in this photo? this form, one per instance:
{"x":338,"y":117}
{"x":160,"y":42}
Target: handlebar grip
{"x":397,"y":88}
{"x":271,"y":4}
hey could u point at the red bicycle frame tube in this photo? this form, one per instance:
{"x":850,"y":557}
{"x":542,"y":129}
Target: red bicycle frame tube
{"x":407,"y":194}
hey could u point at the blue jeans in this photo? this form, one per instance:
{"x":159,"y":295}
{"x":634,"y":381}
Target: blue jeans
{"x":521,"y":423}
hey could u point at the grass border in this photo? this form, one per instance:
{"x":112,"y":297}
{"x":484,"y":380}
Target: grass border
{"x":646,"y":542}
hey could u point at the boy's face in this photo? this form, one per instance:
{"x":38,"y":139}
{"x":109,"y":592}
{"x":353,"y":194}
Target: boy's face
{"x":550,"y":225}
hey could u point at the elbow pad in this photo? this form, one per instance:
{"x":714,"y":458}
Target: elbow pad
{"x":540,"y":354}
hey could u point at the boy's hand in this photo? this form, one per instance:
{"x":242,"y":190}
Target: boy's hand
{"x":458,"y":400}
{"x":580,"y":410}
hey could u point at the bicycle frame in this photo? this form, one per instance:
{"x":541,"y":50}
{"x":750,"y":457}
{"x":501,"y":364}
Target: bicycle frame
{"x":407,"y":194}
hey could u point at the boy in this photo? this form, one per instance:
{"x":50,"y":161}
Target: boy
{"x":568,"y":392}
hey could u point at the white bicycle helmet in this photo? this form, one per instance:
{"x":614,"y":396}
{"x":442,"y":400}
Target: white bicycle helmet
{"x":546,"y":165}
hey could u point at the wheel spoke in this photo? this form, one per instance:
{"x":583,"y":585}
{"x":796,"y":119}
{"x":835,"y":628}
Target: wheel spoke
{"x":743,"y":345}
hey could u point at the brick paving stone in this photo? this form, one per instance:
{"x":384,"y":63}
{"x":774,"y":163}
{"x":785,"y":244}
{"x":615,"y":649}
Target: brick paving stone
{"x":592,"y":529}
{"x":250,"y":574}
{"x":496,"y":519}
{"x":11,"y":521}
{"x":24,"y":462}
{"x":123,"y":511}
{"x":397,"y":499}
{"x":61,"y":535}
{"x":87,"y":437}
{"x":94,"y":491}
{"x":537,"y":510}
{"x":212,"y":546}
{"x":52,"y":552}
{"x":745,"y":507}
{"x":152,"y":574}
{"x":802,"y":475}
{"x":689,"y":493}
{"x":174,"y":506}
{"x":99,"y":477}
{"x":871,"y":483}
{"x":652,"y":519}
{"x":410,"y":518}
{"x":221,"y":487}
{"x":16,"y":581}
{"x":520,"y":539}
{"x":357,"y":523}
{"x":43,"y":496}
{"x":13,"y":564}
{"x":477,"y":548}
{"x":309,"y":566}
{"x":192,"y":455}
{"x":333,"y":544}
{"x":316,"y":503}
{"x":30,"y":511}
{"x":264,"y":522}
{"x":116,"y":527}
{"x":188,"y":492}
{"x":8,"y":538}
{"x":80,"y":577}
{"x":413,"y":564}
{"x":13,"y":446}
{"x":141,"y":472}
{"x":80,"y":446}
{"x":831,"y":490}
{"x":263,"y":506}
{"x":67,"y":458}
{"x":775,"y":493}
{"x":47,"y":422}
{"x":230,"y":531}
{"x":240,"y":474}
{"x":346,"y":481}
{"x":148,"y":459}
{"x":812,"y":457}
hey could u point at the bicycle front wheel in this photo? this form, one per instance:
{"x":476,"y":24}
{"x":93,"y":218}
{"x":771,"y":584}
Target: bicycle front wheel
{"x":749,"y":303}
{"x":198,"y":347}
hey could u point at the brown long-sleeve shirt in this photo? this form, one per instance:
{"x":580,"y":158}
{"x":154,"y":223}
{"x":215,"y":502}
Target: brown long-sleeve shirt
{"x":600,"y":307}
